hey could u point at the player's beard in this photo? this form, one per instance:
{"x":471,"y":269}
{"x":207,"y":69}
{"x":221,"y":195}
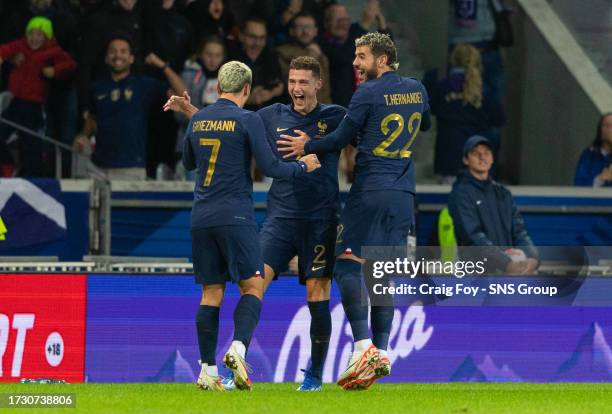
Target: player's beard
{"x":371,"y":74}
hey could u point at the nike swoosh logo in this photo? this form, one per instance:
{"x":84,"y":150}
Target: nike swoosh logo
{"x":100,"y":97}
{"x":314,"y":269}
{"x":281,"y":129}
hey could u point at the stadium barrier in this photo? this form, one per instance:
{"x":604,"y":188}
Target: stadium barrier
{"x":140,"y":328}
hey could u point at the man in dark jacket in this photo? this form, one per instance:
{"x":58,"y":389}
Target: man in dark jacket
{"x":485,"y":215}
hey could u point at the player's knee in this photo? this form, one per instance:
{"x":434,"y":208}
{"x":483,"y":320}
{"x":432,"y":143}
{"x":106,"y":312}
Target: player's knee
{"x":269,"y":276}
{"x":253,"y":286}
{"x":318,"y":289}
{"x":212,"y":295}
{"x":347,"y":275}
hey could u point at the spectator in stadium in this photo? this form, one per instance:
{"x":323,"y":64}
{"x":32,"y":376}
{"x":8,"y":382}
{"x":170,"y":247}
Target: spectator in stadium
{"x":267,"y":86}
{"x":278,"y":15}
{"x":595,"y":165}
{"x":168,"y":34}
{"x":61,"y":103}
{"x":303,"y":33}
{"x":338,"y":43}
{"x":119,"y":109}
{"x":485,"y":216}
{"x":17,"y":16}
{"x":211,"y":17}
{"x":484,"y":24}
{"x":38,"y":59}
{"x":124,"y":17}
{"x":462,"y":110}
{"x":200,"y":75}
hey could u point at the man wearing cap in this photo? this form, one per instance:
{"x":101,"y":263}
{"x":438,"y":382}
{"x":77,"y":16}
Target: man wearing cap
{"x":37,"y":58}
{"x":485,"y":216}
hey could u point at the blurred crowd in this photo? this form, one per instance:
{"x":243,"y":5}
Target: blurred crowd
{"x":93,"y":74}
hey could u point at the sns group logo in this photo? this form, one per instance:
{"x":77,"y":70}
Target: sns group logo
{"x":408,"y":334}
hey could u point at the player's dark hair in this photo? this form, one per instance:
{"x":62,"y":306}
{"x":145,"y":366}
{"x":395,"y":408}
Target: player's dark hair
{"x":253,"y":19}
{"x":598,"y":140}
{"x":380,"y":44}
{"x":306,"y":63}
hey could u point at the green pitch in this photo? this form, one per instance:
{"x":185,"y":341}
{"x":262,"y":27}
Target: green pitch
{"x":281,"y":398}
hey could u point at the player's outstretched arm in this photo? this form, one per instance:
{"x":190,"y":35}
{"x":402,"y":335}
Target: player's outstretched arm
{"x":302,"y":144}
{"x":266,"y":160}
{"x":181,"y":104}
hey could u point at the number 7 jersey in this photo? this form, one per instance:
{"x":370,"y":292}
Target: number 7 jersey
{"x":219,"y":142}
{"x":388,"y":111}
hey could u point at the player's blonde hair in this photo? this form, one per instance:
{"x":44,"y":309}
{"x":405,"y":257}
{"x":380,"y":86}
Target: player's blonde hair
{"x":233,"y":76}
{"x":468,"y":57}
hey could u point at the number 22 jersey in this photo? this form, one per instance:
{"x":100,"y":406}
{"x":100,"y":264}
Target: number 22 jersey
{"x":388,"y":111}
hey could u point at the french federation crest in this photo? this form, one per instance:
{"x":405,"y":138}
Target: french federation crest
{"x":322,"y":125}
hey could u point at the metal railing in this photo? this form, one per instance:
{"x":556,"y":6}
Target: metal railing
{"x":78,"y":159}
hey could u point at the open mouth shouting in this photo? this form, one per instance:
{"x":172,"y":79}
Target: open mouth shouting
{"x":299,"y":99}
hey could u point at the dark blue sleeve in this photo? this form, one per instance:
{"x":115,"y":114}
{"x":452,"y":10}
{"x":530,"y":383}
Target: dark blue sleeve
{"x":359,"y":106}
{"x":426,"y":118}
{"x":584,"y":178}
{"x":269,"y":164}
{"x":340,"y":138}
{"x":189,"y":161}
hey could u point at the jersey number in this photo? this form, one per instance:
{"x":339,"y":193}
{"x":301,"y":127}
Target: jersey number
{"x":381,"y":150}
{"x":319,"y":250}
{"x":216,"y":146}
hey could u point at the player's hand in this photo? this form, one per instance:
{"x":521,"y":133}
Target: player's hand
{"x":48,"y":72}
{"x":293,"y":145}
{"x":311,"y":161}
{"x":178,"y":103}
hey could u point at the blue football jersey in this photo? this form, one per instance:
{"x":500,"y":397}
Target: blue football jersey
{"x":315,"y":195}
{"x":388,"y":111}
{"x":219,"y":142}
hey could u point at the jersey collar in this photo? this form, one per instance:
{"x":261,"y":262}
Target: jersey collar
{"x":314,"y":111}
